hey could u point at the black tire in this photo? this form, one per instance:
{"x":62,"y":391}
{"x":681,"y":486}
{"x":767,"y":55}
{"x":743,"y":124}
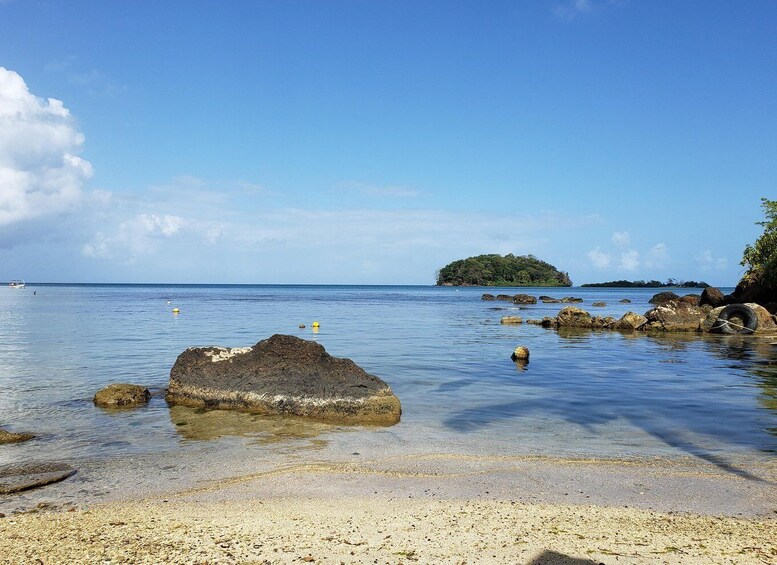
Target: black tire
{"x":725,"y":325}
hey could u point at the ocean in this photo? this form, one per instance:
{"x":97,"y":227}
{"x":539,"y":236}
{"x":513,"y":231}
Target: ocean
{"x":583,"y":394}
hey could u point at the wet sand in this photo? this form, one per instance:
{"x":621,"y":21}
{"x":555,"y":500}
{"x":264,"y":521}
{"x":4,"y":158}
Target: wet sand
{"x":433,"y":509}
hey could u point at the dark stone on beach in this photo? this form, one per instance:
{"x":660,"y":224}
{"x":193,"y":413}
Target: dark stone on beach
{"x":282,"y":375}
{"x":12,"y":437}
{"x":599,"y":304}
{"x":25,"y":476}
{"x":122,"y":396}
{"x":662,"y":297}
{"x":676,"y":316}
{"x":712,"y":296}
{"x":488,"y":297}
{"x":630,"y":321}
{"x":524,"y":299}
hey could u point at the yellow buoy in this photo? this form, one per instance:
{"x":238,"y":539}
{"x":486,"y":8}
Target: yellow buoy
{"x":315,"y":324}
{"x":176,"y":310}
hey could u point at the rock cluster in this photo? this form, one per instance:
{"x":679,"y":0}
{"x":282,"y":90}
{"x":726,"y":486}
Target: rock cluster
{"x":282,"y":375}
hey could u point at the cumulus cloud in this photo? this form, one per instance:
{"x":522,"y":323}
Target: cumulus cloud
{"x":133,"y":238}
{"x":657,"y":256}
{"x":708,"y":262}
{"x":599,"y":259}
{"x":629,"y":260}
{"x":41,"y":173}
{"x":621,"y":239}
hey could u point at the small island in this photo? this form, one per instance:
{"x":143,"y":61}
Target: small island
{"x":496,"y":270}
{"x":671,"y":283}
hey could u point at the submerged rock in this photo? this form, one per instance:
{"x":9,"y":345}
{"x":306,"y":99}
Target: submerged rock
{"x":25,"y":476}
{"x":524,"y":299}
{"x":488,"y":297}
{"x":511,"y":320}
{"x":282,"y":375}
{"x":12,"y":437}
{"x":599,"y":304}
{"x":122,"y":396}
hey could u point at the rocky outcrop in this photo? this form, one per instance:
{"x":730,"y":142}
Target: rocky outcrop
{"x":692,"y":299}
{"x":662,"y":297}
{"x":122,"y":396}
{"x":282,"y":375}
{"x":524,"y":299}
{"x":488,"y":297}
{"x":766,"y":321}
{"x":571,"y":317}
{"x":676,"y":316}
{"x":751,"y":290}
{"x":712,"y":296}
{"x":505,"y":297}
{"x":12,"y":437}
{"x":630,"y":321}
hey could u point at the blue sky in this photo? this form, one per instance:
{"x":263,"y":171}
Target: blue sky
{"x":371,"y":142}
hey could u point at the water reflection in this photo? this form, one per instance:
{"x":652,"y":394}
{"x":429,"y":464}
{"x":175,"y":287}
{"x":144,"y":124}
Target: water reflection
{"x":199,"y":424}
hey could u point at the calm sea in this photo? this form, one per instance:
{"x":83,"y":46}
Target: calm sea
{"x":442,"y":350}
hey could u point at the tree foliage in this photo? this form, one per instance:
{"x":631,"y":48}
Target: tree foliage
{"x":496,"y":270}
{"x":760,"y":259}
{"x":671,"y":283}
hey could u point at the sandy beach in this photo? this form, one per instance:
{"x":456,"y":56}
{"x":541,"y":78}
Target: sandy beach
{"x":435,"y":510}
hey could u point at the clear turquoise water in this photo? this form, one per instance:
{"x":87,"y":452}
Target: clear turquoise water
{"x":443,"y":351}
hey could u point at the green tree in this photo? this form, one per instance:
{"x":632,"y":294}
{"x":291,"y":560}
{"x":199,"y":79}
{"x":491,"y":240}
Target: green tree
{"x":761,"y":257}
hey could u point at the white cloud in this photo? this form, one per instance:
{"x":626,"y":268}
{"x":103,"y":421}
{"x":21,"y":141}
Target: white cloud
{"x":657,"y":257}
{"x":384,"y":190}
{"x":133,"y":238}
{"x":621,"y":239}
{"x":707,"y":262}
{"x":40,"y":171}
{"x":629,"y":260}
{"x":599,"y":259}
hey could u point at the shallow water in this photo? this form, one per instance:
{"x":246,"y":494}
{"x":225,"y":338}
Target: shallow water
{"x":442,"y":350}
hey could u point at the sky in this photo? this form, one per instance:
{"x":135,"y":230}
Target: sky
{"x":373,"y":142}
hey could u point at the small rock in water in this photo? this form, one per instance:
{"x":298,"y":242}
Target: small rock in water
{"x":122,"y":396}
{"x":520,"y":353}
{"x":511,"y":320}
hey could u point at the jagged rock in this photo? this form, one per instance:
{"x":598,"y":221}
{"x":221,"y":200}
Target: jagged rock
{"x":676,"y":316}
{"x":122,"y":396}
{"x":12,"y":437}
{"x":511,"y":320}
{"x":766,"y":321}
{"x":599,"y":304}
{"x":524,"y":299}
{"x":602,"y":323}
{"x":751,"y":289}
{"x":692,"y":299}
{"x":662,"y":297}
{"x":631,"y":321}
{"x":25,"y":476}
{"x":282,"y":375}
{"x":712,"y":296}
{"x":488,"y":297}
{"x":571,"y":317}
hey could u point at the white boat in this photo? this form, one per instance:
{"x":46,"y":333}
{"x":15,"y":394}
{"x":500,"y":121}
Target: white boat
{"x":16,"y":284}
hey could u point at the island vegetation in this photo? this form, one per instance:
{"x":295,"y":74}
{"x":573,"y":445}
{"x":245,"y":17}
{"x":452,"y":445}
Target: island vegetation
{"x":760,"y":259}
{"x":671,"y":283}
{"x":498,"y":270}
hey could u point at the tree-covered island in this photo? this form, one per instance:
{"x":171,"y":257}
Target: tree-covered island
{"x":671,"y":283}
{"x":496,"y":270}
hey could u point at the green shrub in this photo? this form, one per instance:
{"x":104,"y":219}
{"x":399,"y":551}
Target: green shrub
{"x":761,"y":257}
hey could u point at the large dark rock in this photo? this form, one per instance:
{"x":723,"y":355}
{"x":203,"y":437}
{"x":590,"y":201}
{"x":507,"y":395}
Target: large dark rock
{"x":662,"y":297}
{"x":24,"y":476}
{"x":282,"y":375}
{"x":122,"y":395}
{"x":750,"y":289}
{"x":712,"y":296}
{"x":571,"y":317}
{"x":676,"y":316}
{"x":630,"y":321}
{"x":524,"y":299}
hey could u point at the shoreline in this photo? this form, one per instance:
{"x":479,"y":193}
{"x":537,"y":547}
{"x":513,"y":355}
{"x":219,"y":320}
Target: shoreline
{"x":438,"y":508}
